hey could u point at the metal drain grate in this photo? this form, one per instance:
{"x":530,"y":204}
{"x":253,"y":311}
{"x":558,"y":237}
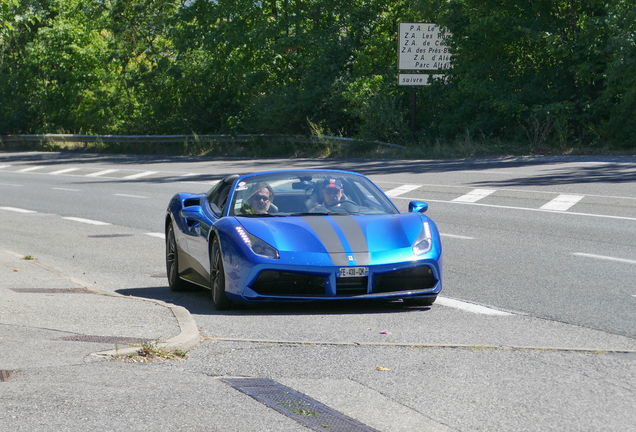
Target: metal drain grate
{"x":52,"y":290}
{"x":6,"y":374}
{"x":305,"y":410}
{"x":104,"y":339}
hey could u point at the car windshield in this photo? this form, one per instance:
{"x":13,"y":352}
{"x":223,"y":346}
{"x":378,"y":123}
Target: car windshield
{"x":307,"y":193}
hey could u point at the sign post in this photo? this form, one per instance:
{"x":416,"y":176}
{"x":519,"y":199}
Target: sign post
{"x":421,"y":47}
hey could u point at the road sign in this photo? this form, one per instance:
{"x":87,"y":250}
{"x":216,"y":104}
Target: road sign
{"x":416,"y":79}
{"x":422,"y":46}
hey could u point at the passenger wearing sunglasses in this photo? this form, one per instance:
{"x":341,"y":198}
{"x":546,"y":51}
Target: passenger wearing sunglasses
{"x":261,"y":198}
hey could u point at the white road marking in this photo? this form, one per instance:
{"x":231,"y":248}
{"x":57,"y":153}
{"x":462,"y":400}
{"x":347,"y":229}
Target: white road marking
{"x":10,"y":184}
{"x":130,"y":196}
{"x":401,"y":190}
{"x":87,"y":221}
{"x":475,"y":195}
{"x":527,"y":209}
{"x":67,"y":189}
{"x":64,"y":171}
{"x":158,"y":235}
{"x":562,"y":202}
{"x":211,"y":183}
{"x":4,"y":166}
{"x":457,"y":236}
{"x":605,"y":258}
{"x":139,"y":175}
{"x":30,"y":169}
{"x":101,"y":173}
{"x":181,"y":177}
{"x":17,"y":210}
{"x":470,"y":307}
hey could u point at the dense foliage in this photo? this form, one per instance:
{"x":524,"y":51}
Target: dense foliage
{"x":552,"y":73}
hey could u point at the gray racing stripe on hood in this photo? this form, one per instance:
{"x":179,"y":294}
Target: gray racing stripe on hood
{"x":356,"y":238}
{"x":329,"y":238}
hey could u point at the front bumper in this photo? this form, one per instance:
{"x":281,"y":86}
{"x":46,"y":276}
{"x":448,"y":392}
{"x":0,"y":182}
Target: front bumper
{"x":396,"y":281}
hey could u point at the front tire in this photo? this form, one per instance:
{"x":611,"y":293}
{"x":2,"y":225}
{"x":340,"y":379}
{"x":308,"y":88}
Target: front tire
{"x":172,"y":263}
{"x":217,"y":278}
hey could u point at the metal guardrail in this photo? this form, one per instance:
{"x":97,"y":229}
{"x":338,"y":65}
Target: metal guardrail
{"x":301,"y":139}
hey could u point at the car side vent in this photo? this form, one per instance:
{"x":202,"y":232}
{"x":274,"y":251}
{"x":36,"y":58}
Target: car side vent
{"x":191,"y":202}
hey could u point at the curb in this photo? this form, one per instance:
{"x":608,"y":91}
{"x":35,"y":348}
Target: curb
{"x":188,"y":337}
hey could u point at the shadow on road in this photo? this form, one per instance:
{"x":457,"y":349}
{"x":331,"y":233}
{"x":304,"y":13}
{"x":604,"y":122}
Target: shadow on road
{"x":199,"y":302}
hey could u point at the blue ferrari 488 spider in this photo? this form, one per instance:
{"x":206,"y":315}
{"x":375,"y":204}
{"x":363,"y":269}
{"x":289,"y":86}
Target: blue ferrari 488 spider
{"x":301,"y":235}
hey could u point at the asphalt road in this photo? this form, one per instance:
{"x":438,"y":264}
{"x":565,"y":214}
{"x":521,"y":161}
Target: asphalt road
{"x":502,"y":247}
{"x":538,"y":252}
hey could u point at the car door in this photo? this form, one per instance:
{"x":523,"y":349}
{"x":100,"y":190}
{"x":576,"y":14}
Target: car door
{"x":210,"y":211}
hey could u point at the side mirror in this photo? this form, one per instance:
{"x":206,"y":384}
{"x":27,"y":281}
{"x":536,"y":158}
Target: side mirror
{"x":417,"y":207}
{"x":192,"y":215}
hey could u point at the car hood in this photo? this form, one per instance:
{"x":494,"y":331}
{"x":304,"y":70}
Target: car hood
{"x":341,"y":239}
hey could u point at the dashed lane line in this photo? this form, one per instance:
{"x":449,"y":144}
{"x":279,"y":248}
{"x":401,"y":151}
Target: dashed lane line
{"x":130,"y":196}
{"x":17,"y":210}
{"x":86,"y":221}
{"x":604,"y":258}
{"x":470,"y":307}
{"x":475,"y":195}
{"x":67,"y":189}
{"x":562,"y":202}
{"x":158,"y":235}
{"x":457,"y":236}
{"x":4,"y":166}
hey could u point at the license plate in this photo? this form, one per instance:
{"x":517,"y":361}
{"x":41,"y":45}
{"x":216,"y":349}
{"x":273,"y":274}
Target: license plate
{"x":353,"y":271}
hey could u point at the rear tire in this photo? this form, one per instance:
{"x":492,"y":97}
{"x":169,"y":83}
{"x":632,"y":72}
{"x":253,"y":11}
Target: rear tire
{"x":172,"y":263}
{"x":422,"y":301}
{"x":217,"y":278}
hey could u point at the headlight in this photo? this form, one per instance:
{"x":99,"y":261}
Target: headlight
{"x":258,"y":246}
{"x":424,"y":241}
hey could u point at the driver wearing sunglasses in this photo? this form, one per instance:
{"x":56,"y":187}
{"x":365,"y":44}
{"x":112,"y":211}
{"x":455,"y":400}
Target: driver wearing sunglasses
{"x":332,"y":192}
{"x":261,"y":198}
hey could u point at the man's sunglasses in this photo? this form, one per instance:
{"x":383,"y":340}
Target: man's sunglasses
{"x":260,"y":198}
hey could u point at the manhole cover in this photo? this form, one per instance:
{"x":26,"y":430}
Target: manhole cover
{"x":5,"y":375}
{"x":305,"y":410}
{"x":104,"y":339}
{"x":52,"y":290}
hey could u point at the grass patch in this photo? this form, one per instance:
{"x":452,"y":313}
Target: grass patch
{"x":28,"y":258}
{"x":151,"y":352}
{"x":466,"y":146}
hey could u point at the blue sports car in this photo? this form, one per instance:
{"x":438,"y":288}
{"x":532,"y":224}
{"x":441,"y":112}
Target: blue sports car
{"x":301,"y":235}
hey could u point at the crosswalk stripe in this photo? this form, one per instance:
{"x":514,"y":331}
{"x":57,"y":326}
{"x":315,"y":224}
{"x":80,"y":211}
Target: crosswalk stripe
{"x":475,"y":195}
{"x":64,"y":171}
{"x":401,"y":190}
{"x":562,"y":202}
{"x":101,"y":173}
{"x":139,"y":175}
{"x":30,"y":169}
